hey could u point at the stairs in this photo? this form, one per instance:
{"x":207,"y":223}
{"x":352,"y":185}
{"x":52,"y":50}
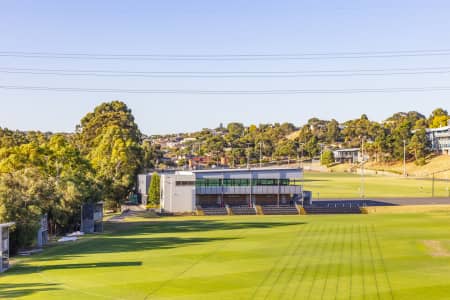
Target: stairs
{"x":214,"y":211}
{"x":315,"y":210}
{"x":243,"y":210}
{"x":282,"y":210}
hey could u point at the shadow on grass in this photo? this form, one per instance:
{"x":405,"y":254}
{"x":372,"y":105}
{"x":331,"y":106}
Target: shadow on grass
{"x":27,"y":269}
{"x":183,"y":226}
{"x":19,"y":290}
{"x":105,"y":244}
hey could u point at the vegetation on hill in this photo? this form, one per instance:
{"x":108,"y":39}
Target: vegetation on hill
{"x":237,"y":144}
{"x":55,"y":173}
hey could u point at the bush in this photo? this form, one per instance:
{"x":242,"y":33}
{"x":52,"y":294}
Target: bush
{"x":23,"y":236}
{"x":421,"y":162}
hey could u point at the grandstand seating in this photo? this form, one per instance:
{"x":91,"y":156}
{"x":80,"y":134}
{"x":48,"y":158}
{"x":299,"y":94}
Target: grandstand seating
{"x":279,"y":210}
{"x":243,"y":210}
{"x":214,"y":211}
{"x":320,"y":209}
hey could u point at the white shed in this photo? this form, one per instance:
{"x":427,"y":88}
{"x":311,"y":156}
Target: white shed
{"x":4,"y":246}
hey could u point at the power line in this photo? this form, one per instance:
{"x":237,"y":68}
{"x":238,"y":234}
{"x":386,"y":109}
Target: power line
{"x":228,"y":57}
{"x":228,"y":92}
{"x":228,"y":74}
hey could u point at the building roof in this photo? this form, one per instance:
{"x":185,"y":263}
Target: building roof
{"x":347,"y":149}
{"x":444,"y":128}
{"x":216,"y":170}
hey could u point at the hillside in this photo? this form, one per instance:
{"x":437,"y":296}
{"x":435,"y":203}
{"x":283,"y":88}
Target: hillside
{"x":435,"y":164}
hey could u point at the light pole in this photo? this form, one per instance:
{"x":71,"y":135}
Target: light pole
{"x":321,"y":152}
{"x":260,"y":154}
{"x":404,"y":158}
{"x":362,"y":168}
{"x":248,"y":155}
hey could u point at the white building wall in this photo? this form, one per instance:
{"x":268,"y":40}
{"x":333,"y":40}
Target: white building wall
{"x":176,"y":195}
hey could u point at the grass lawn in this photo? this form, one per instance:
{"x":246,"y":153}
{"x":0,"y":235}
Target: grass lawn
{"x":375,"y":256}
{"x":346,"y":185}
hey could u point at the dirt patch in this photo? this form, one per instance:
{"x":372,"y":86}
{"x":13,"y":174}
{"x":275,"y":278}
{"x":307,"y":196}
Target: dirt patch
{"x":436,"y":248}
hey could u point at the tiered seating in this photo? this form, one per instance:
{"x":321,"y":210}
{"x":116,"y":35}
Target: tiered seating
{"x":214,"y":211}
{"x":243,"y":210}
{"x":281,"y":210}
{"x":314,"y":209}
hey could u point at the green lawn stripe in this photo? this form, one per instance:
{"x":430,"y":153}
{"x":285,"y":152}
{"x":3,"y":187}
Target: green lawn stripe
{"x":330,"y":260}
{"x":361,"y":261}
{"x":191,"y":266}
{"x":294,"y":264}
{"x":351,"y":261}
{"x":318,"y":266}
{"x":274,"y":266}
{"x":383,"y":263}
{"x":373,"y":262}
{"x":287,"y":263}
{"x":317,"y":238}
{"x":341,"y":256}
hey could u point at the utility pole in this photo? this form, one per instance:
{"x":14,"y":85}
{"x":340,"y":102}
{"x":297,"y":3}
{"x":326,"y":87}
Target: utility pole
{"x":362,"y":168}
{"x":260,"y":154}
{"x":404,"y":158}
{"x":432,"y":187}
{"x":301,"y":155}
{"x":248,"y":155}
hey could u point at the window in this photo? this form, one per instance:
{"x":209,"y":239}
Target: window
{"x":184,"y":182}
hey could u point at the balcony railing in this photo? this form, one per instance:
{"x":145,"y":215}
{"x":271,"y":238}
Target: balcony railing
{"x":266,"y":189}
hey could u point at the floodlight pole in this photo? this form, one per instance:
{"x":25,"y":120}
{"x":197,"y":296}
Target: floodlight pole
{"x":260,"y":154}
{"x":404,"y":158}
{"x":362,"y":167}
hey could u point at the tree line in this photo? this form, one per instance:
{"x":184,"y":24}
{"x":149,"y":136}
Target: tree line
{"x":57,"y":173}
{"x":383,"y":141}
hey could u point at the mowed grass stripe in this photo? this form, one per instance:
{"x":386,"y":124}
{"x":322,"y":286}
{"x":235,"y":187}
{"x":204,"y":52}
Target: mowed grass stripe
{"x":361,"y":262}
{"x":372,"y":259}
{"x":331,"y":263}
{"x":383,"y":264}
{"x":352,"y":237}
{"x":293,"y":266}
{"x":286,"y":265}
{"x":306,"y":262}
{"x":340,"y":262}
{"x":261,"y":290}
{"x":201,"y":258}
{"x":318,"y":262}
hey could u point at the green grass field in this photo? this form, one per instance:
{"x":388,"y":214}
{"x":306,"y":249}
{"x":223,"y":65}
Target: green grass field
{"x":346,"y":185}
{"x":379,"y":256}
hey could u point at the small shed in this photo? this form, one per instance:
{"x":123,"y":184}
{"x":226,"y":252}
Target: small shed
{"x":42,"y":234}
{"x":92,"y":217}
{"x":4,"y":246}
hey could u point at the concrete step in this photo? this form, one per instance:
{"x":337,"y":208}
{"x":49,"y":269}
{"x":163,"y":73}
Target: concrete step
{"x":331,"y":210}
{"x":282,"y":210}
{"x":240,"y":210}
{"x":215,"y":211}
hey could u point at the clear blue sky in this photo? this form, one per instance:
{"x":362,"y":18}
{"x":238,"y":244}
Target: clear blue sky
{"x":219,"y":27}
